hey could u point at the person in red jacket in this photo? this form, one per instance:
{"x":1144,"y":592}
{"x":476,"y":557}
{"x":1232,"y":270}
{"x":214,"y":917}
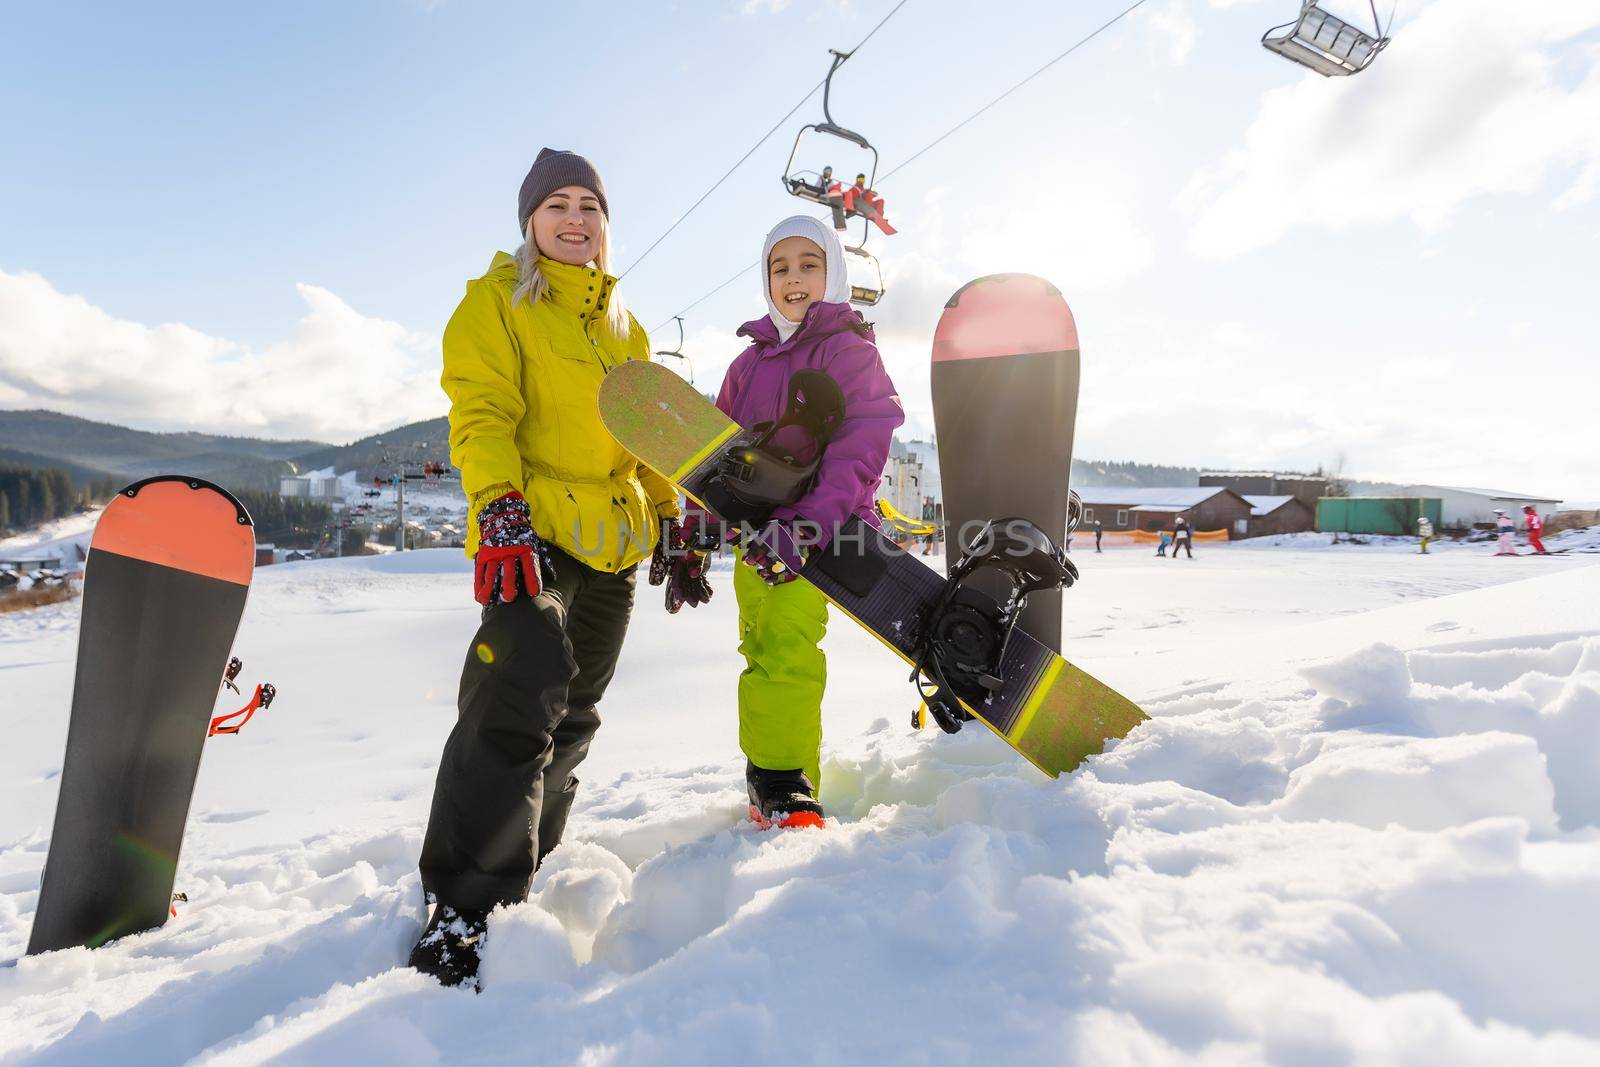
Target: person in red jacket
{"x":1535,"y":527}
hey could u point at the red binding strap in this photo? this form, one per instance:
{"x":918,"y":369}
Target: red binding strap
{"x":260,"y":699}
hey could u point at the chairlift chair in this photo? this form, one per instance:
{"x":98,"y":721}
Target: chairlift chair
{"x":866,"y":282}
{"x":677,"y":353}
{"x":809,"y":184}
{"x":1326,"y":43}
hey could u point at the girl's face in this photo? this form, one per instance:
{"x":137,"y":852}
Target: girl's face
{"x":797,"y":276}
{"x":568,"y":224}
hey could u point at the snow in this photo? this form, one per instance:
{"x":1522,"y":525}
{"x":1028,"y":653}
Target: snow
{"x":60,"y":538}
{"x":1265,"y":505}
{"x":1362,"y":826}
{"x":1180,"y":498}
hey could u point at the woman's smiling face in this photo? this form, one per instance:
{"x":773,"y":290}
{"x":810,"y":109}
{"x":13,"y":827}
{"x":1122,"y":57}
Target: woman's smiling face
{"x":797,"y":276}
{"x":567,"y":226}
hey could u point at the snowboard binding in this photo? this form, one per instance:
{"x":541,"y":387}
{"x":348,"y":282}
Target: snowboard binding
{"x":260,"y":700}
{"x":962,"y":640}
{"x":235,"y":665}
{"x":773,"y":463}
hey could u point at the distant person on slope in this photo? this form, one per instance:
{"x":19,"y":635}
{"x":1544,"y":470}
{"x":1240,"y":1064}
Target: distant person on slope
{"x":809,"y":325}
{"x":1425,"y":532}
{"x":1098,"y":530}
{"x":1535,"y":527}
{"x":1182,"y":536}
{"x":1507,"y":528}
{"x":524,"y":355}
{"x":1163,"y":540}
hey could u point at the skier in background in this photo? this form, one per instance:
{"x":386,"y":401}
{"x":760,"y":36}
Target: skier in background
{"x":1181,"y":535}
{"x":1425,"y":532}
{"x":1535,"y":527}
{"x":1162,"y":542}
{"x":809,"y":324}
{"x":1507,"y":528}
{"x":532,"y":338}
{"x":1098,"y":530}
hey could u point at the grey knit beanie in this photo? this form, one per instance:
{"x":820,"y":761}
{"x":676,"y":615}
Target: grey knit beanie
{"x":556,"y":169}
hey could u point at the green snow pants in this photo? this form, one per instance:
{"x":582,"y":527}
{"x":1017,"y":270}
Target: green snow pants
{"x":780,"y":691}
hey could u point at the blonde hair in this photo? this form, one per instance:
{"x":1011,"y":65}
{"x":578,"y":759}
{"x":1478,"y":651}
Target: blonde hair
{"x":532,"y":286}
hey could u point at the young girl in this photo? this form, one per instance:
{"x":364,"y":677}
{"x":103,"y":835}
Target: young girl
{"x":809,"y":325}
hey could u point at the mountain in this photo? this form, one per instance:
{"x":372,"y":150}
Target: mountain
{"x":414,"y":443}
{"x":90,"y":450}
{"x":80,"y":474}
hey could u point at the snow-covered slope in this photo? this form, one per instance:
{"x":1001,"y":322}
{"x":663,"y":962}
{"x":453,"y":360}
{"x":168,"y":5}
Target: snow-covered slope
{"x":66,"y":537}
{"x":1360,"y":828}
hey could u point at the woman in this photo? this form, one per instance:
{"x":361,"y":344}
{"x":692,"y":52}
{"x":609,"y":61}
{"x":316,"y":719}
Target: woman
{"x":559,"y":518}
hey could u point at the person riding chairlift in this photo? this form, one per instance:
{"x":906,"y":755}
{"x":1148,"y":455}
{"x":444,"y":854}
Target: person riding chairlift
{"x":857,"y":199}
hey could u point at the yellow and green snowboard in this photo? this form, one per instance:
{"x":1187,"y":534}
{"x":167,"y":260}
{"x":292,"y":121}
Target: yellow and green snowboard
{"x":1048,"y":710}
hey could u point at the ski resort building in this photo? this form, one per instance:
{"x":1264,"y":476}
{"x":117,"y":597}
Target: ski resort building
{"x":1280,"y":515}
{"x":1464,"y":507}
{"x":1306,"y":488}
{"x":1394,"y":516}
{"x":909,"y":483}
{"x":310,"y":488}
{"x":1202,"y":507}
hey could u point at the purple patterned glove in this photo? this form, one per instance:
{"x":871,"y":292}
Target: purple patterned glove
{"x":679,"y":560}
{"x":776,"y":553}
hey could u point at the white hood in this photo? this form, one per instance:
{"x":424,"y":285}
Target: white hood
{"x":821,"y":235}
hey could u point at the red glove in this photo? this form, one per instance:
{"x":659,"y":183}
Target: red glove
{"x":509,"y":552}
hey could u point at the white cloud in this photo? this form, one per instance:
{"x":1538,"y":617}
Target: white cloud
{"x":1176,"y":25}
{"x":1472,"y":98}
{"x":777,"y":7}
{"x":339,"y":376}
{"x":1083,"y":231}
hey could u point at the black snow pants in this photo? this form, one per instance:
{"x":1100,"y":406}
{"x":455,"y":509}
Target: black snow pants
{"x":526,"y":713}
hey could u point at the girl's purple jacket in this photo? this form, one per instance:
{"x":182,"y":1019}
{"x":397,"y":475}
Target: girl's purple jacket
{"x":756,"y":388}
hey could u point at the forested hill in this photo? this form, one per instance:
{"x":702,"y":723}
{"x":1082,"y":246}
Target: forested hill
{"x":90,"y":451}
{"x":1097,"y":472}
{"x":417,"y":442}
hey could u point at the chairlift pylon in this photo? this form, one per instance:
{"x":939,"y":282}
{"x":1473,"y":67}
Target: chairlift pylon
{"x":1326,"y":43}
{"x":677,"y":353}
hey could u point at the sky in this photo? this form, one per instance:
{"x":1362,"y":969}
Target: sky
{"x":257,"y":219}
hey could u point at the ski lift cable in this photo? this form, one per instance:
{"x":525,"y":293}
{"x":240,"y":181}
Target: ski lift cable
{"x":764,"y":138}
{"x":928,"y":147}
{"x":1083,"y":41}
{"x":746,"y":269}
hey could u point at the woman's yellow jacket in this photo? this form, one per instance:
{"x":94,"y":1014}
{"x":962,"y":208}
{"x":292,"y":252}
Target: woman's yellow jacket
{"x":523,"y":383}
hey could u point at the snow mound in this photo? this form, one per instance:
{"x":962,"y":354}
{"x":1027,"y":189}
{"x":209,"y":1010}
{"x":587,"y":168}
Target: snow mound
{"x":1370,"y":867}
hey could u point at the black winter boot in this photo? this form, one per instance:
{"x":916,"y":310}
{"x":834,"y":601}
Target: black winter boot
{"x":781,"y":798}
{"x":449,"y":946}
